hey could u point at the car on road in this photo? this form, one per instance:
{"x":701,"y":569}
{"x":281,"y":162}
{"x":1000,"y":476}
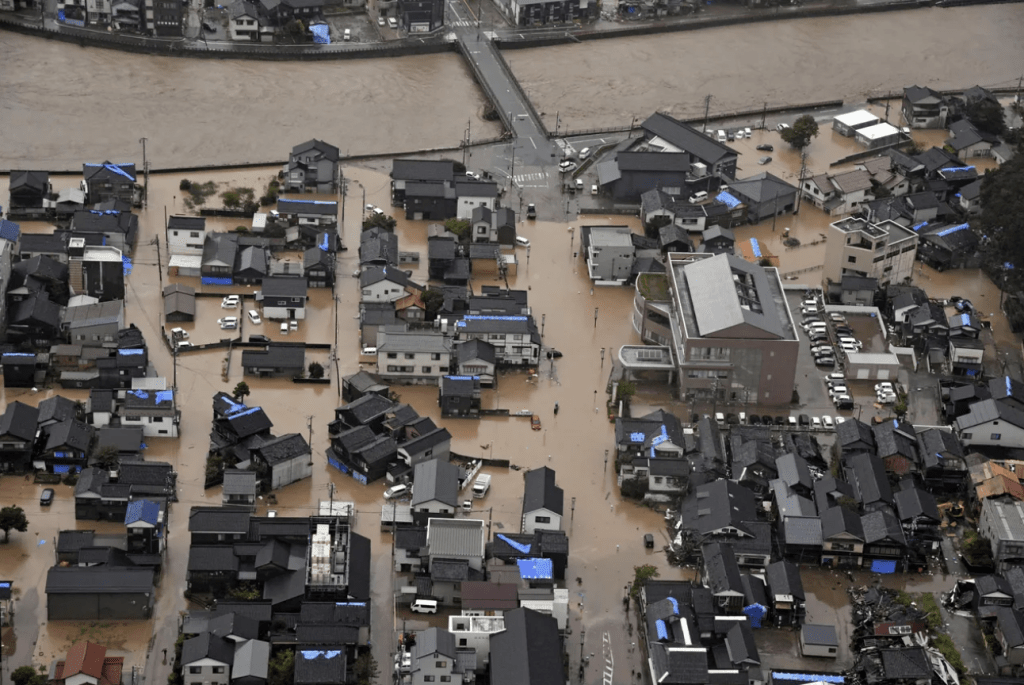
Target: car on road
{"x":46,"y":499}
{"x":765,"y":160}
{"x":567,"y":165}
{"x":584,"y":153}
{"x":381,"y":22}
{"x":825,"y":361}
{"x":259,"y":339}
{"x":370,"y":208}
{"x":473,"y":175}
{"x":228,"y":322}
{"x":765,"y":147}
{"x":827,"y":422}
{"x":396,"y":491}
{"x":781,"y":127}
{"x":392,"y":22}
{"x":531,"y":211}
{"x":183,"y":345}
{"x":179,"y":334}
{"x":884,"y":385}
{"x":230,"y":302}
{"x":835,"y":376}
{"x":821,"y":350}
{"x":254,"y":317}
{"x":520,"y":240}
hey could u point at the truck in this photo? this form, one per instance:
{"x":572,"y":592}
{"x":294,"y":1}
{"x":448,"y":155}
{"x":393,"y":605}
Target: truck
{"x":481,"y":485}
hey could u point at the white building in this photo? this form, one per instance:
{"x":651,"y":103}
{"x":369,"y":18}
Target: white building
{"x":283,"y":298}
{"x":879,"y":135}
{"x":847,"y":124}
{"x":413,"y":357}
{"x":858,"y":247}
{"x":186,"y":235}
{"x":542,"y":501}
{"x":472,"y":194}
{"x":155,"y":412}
{"x":819,"y":640}
{"x":474,"y":632}
{"x":610,"y":253}
{"x":1002,"y":523}
{"x":515,"y":339}
{"x":385,"y":284}
{"x":991,"y":423}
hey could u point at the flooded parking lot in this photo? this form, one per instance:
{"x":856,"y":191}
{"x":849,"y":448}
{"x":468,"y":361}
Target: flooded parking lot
{"x":801,"y":60}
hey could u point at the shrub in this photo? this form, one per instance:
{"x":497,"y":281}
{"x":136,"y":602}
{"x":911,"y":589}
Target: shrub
{"x":251,"y":207}
{"x":231,"y":199}
{"x":316,"y":370}
{"x":268,"y":199}
{"x":185,"y":184}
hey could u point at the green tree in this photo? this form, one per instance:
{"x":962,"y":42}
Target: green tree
{"x":316,"y":370}
{"x":231,"y":199}
{"x":433,"y":300}
{"x":26,"y":675}
{"x":800,"y":133}
{"x":383,"y":221}
{"x":987,"y":116}
{"x":626,"y":391}
{"x":460,"y":227}
{"x":900,"y":407}
{"x":185,"y":184}
{"x":105,"y":457}
{"x":12,"y":518}
{"x":1002,"y":218}
{"x":641,"y":574}
{"x":281,"y":669}
{"x":978,"y":550}
{"x":366,"y":669}
{"x":241,"y":391}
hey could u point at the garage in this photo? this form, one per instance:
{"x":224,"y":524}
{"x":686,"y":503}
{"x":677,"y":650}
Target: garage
{"x":98,"y":593}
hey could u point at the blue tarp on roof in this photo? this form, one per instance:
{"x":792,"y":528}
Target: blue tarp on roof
{"x":164,"y":396}
{"x":957,"y":168}
{"x":116,"y":168}
{"x":9,"y":230}
{"x":142,"y":510}
{"x":141,"y":394}
{"x":325,"y":243}
{"x":319,"y":653}
{"x":308,"y":202}
{"x":518,"y":546}
{"x":321,"y":34}
{"x":216,"y":280}
{"x":755,"y":613}
{"x":918,"y":227}
{"x":244,"y":413}
{"x":675,"y":604}
{"x":755,"y":247}
{"x":462,"y":378}
{"x":809,"y":678}
{"x":530,"y":569}
{"x":130,"y":352}
{"x":727,"y":199}
{"x":662,"y":629}
{"x":126,"y":263}
{"x":883,"y":566}
{"x":952,"y":229}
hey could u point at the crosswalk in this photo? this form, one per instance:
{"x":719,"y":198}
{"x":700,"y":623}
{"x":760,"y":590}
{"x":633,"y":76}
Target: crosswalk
{"x":462,"y":22}
{"x":536,"y":176}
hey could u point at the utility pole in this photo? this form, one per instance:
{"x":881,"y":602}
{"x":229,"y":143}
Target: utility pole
{"x":887,"y":100}
{"x":800,"y":180}
{"x":595,"y":317}
{"x":556,"y":124}
{"x":159,"y":262}
{"x":707,"y":109}
{"x":572,"y":511}
{"x":145,"y":173}
{"x":602,"y":357}
{"x":543,"y":319}
{"x":309,"y":440}
{"x":764,"y":115}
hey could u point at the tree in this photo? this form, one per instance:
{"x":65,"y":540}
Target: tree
{"x":12,"y":518}
{"x":366,"y":669}
{"x":231,"y":199}
{"x":626,"y":390}
{"x":641,"y":574}
{"x":105,"y":458}
{"x":1002,"y":219}
{"x":800,"y":133}
{"x":977,"y":549}
{"x":281,"y":669}
{"x":383,"y":221}
{"x":316,"y":370}
{"x":241,"y":391}
{"x":987,"y":116}
{"x":433,"y":300}
{"x":185,"y":184}
{"x":460,"y":227}
{"x":26,"y":675}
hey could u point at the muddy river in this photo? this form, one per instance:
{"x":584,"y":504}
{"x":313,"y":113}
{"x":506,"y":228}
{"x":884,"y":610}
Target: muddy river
{"x":199,"y":112}
{"x":605,"y":543}
{"x":607,"y":82}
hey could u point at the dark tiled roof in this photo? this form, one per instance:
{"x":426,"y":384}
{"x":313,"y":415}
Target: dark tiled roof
{"x":19,"y":421}
{"x":913,"y":502}
{"x":528,"y":651}
{"x":840,"y":520}
{"x":540,"y":491}
{"x":283,"y":449}
{"x":909,"y":663}
{"x":207,"y":646}
{"x":882,"y":526}
{"x":784,"y":579}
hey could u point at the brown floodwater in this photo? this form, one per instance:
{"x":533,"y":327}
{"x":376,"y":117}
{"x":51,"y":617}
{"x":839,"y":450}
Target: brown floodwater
{"x":199,"y":112}
{"x":607,"y":82}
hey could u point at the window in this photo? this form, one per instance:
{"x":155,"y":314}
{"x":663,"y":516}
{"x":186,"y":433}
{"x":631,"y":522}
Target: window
{"x":435,"y":356}
{"x":842,"y":546}
{"x":996,"y":436}
{"x":392,"y":355}
{"x":425,"y":369}
{"x":410,"y":355}
{"x":428,"y":678}
{"x":366,"y":291}
{"x":851,"y":259}
{"x":658,"y":480}
{"x":542,"y":519}
{"x":193,"y":234}
{"x":218,"y":669}
{"x":441,"y":664}
{"x":195,"y":669}
{"x":966,"y":436}
{"x":446,"y":679}
{"x":462,"y":642}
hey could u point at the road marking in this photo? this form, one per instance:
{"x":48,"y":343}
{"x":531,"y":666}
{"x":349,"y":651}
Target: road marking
{"x":609,"y":659}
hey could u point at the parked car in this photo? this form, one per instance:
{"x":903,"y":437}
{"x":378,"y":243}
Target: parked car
{"x":424,"y":606}
{"x":839,"y":420}
{"x":230,"y":302}
{"x":766,"y":420}
{"x":791,"y":421}
{"x":826,"y":421}
{"x":754,"y":420}
{"x":293,"y":325}
{"x":835,"y":376}
{"x":228,"y":322}
{"x":843,"y":401}
{"x":254,"y":317}
{"x":884,"y":385}
{"x":804,"y":420}
{"x":259,"y":339}
{"x":781,"y":127}
{"x":780,"y":420}
{"x":284,"y":328}
{"x":179,"y":334}
{"x":531,"y":211}
{"x":348,"y":35}
{"x":765,"y":160}
{"x":396,"y":491}
{"x":392,"y":22}
{"x":821,"y":351}
{"x":381,"y":22}
{"x":473,"y":175}
{"x":46,"y":499}
{"x":825,"y":361}
{"x":815,"y":422}
{"x":520,"y":240}
{"x":765,"y":147}
{"x":886,"y":399}
{"x":183,"y":345}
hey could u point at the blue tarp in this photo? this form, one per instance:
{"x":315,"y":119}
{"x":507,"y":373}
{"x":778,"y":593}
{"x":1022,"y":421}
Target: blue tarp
{"x":462,"y":378}
{"x":317,"y":653}
{"x":126,"y":263}
{"x":952,"y":229}
{"x":918,"y":227}
{"x":662,"y":629}
{"x":141,"y":394}
{"x":536,"y":569}
{"x":755,"y":247}
{"x":116,"y":168}
{"x":727,"y":199}
{"x":215,"y":280}
{"x":809,"y":678}
{"x":325,"y":244}
{"x":518,"y":546}
{"x":637,"y":437}
{"x":9,"y":230}
{"x":164,"y":396}
{"x":130,"y":352}
{"x":957,"y":168}
{"x":321,"y":34}
{"x":675,"y":604}
{"x":755,"y":613}
{"x":307,"y":202}
{"x":883,"y":566}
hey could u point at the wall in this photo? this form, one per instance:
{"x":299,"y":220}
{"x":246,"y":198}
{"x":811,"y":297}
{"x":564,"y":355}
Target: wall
{"x":530,"y":523}
{"x":292,"y":470}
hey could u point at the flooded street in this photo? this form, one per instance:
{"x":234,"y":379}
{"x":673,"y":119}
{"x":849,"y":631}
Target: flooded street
{"x":607,"y":82}
{"x":199,"y":112}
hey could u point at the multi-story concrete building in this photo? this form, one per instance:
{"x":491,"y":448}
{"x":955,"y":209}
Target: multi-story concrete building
{"x":413,"y":356}
{"x":609,"y":252}
{"x":857,"y":247}
{"x":515,"y":339}
{"x":733,"y":336}
{"x":1002,"y":523}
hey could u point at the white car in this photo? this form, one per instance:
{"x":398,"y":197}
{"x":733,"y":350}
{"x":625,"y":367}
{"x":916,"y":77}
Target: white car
{"x":396,"y":491}
{"x":781,"y":127}
{"x":473,"y":175}
{"x":284,"y":328}
{"x":839,"y":420}
{"x":179,"y":334}
{"x":228,"y":322}
{"x":885,"y":385}
{"x":567,"y":166}
{"x":719,"y":417}
{"x":886,"y":399}
{"x":835,"y":376}
{"x":815,"y":422}
{"x":183,"y":345}
{"x":254,"y":317}
{"x":293,"y":325}
{"x":230,"y":302}
{"x":378,"y":211}
{"x":520,"y":240}
{"x":370,"y":208}
{"x":826,"y":421}
{"x":584,"y":153}
{"x":821,"y":349}
{"x":792,"y":421}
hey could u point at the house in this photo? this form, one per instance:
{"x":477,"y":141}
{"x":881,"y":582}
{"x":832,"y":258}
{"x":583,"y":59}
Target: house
{"x":542,"y":501}
{"x":839,"y":194}
{"x":819,"y":640}
{"x":420,"y":16}
{"x":95,"y":593}
{"x":674,"y":239}
{"x":109,"y":181}
{"x":96,"y":270}
{"x":459,"y":396}
{"x":220,"y":251}
{"x":1002,"y":523}
{"x":155,"y":411}
{"x":378,"y":247}
{"x":431,"y":201}
{"x":318,"y":267}
{"x":471,"y":195}
{"x":124,"y":443}
{"x":541,"y":12}
{"x":528,"y":652}
{"x":879,"y":135}
{"x":434,"y":658}
{"x":885,"y":544}
{"x":884,"y":251}
{"x":239,"y":489}
{"x":86,"y":664}
{"x":842,"y":538}
{"x":610,"y":253}
{"x":309,"y":213}
{"x":924,"y":108}
{"x":164,"y":19}
{"x":765,"y":195}
{"x":17,"y":436}
{"x":721,"y":574}
{"x":64,"y":446}
{"x":941,"y":460}
{"x":19,"y":369}
{"x":28,"y":191}
{"x":435,"y":491}
{"x":630,"y":174}
{"x":1009,"y":631}
{"x":847,"y":124}
{"x":186,"y":235}
{"x":406,"y":171}
{"x":179,"y":303}
{"x":498,"y":226}
{"x":276,"y":361}
{"x":663,"y":133}
{"x":432,"y":443}
{"x":481,"y":598}
{"x":251,"y":663}
{"x":97,"y":498}
{"x":94,"y":325}
{"x":313,"y":167}
{"x":413,"y":357}
{"x":362,"y":383}
{"x":727,"y":308}
{"x":867,"y":474}
{"x":896,"y":446}
{"x":410,"y":548}
{"x":381,"y":284}
{"x":991,"y":423}
{"x":904,"y":665}
{"x":948,"y":247}
{"x":205,"y":657}
{"x":857,"y":290}
{"x":916,"y":507}
{"x":718,"y":239}
{"x":111,"y":227}
{"x":250,"y":265}
{"x":283,"y":298}
{"x":785,"y":591}
{"x":515,"y":339}
{"x":287,"y":459}
{"x":460,"y":540}
{"x":967,"y":141}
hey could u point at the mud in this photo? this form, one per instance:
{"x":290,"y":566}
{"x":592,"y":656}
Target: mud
{"x":201,"y":112}
{"x":801,"y":60}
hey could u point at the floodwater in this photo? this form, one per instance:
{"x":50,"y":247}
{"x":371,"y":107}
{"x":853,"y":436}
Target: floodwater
{"x":607,"y":82}
{"x":66,"y":104}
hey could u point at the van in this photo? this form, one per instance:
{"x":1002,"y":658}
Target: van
{"x":584,"y":153}
{"x":593,"y":189}
{"x":392,"y":22}
{"x":699,"y":196}
{"x":722,"y":138}
{"x":424,"y":606}
{"x":396,"y":491}
{"x":520,"y":240}
{"x":348,"y":34}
